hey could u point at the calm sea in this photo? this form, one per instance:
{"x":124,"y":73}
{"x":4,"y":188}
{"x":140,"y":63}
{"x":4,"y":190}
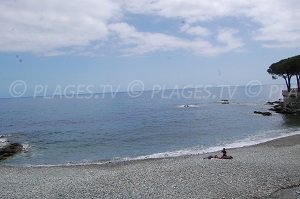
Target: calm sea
{"x":102,"y":127}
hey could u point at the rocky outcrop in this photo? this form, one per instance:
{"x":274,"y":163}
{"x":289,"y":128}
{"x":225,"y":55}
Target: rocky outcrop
{"x":10,"y":150}
{"x":278,"y":107}
{"x":263,"y":113}
{"x":272,"y":103}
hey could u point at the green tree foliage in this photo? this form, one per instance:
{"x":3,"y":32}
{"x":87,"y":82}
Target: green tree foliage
{"x":294,"y":65}
{"x":287,"y":68}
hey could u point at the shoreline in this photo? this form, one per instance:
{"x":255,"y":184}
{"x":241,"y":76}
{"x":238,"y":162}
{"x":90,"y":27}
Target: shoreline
{"x":166,"y":155}
{"x":254,"y":172}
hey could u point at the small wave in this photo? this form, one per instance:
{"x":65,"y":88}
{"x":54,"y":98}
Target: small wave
{"x":3,"y":142}
{"x":258,"y":139}
{"x":26,"y":147}
{"x":5,"y":135}
{"x":249,"y":141}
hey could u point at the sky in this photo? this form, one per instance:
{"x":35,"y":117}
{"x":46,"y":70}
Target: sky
{"x":170,"y":43}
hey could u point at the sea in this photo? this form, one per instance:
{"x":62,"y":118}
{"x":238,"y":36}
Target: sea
{"x":122,"y":126}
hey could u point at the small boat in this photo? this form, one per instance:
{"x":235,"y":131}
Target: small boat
{"x":224,"y":101}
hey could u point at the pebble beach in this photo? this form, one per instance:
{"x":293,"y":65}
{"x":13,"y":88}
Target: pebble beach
{"x":261,"y":171}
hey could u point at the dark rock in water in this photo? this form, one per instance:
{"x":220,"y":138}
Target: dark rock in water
{"x":272,"y":103}
{"x":263,"y":113}
{"x":10,"y":150}
{"x":278,"y":107}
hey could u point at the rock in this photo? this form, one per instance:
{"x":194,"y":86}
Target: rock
{"x":278,"y":108}
{"x":263,"y":113}
{"x":269,"y":103}
{"x":10,"y":150}
{"x":278,"y":102}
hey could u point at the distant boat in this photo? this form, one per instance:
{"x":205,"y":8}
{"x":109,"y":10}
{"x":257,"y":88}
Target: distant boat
{"x":224,"y":101}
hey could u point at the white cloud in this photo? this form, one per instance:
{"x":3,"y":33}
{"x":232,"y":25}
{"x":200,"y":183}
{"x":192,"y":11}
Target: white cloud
{"x":278,"y":20}
{"x":134,"y":42}
{"x":51,"y":25}
{"x":227,"y":37}
{"x":190,"y":10}
{"x":54,"y":27}
{"x":195,"y":30}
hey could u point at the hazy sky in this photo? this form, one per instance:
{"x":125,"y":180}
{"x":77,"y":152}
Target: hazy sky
{"x":160,"y":42}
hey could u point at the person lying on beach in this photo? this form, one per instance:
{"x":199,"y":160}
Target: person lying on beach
{"x":224,"y":156}
{"x":212,"y":157}
{"x":217,"y":157}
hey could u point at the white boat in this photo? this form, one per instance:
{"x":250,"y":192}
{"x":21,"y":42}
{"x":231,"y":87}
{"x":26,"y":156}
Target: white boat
{"x":224,"y":101}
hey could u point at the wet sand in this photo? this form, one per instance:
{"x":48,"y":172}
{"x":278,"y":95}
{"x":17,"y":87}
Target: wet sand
{"x":260,"y":171}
